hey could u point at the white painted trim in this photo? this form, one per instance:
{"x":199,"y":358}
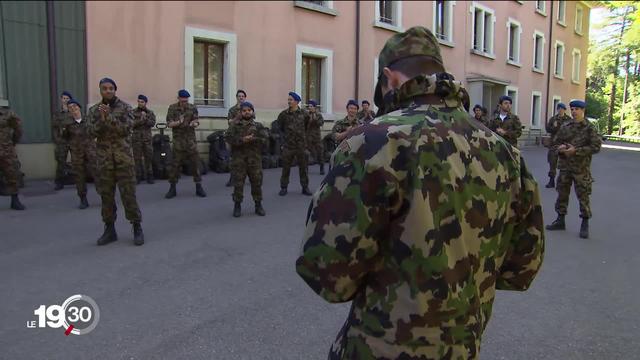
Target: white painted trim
{"x":555,"y":59}
{"x":326,"y":82}
{"x":575,"y":23}
{"x":553,"y":100}
{"x":474,"y":5}
{"x":564,"y":18}
{"x":375,"y":82}
{"x":573,"y":65}
{"x":539,"y":94}
{"x":537,"y":33}
{"x":449,"y":21}
{"x":519,"y":25}
{"x":514,"y":102}
{"x":230,"y":74}
{"x":397,"y":12}
{"x":542,"y":11}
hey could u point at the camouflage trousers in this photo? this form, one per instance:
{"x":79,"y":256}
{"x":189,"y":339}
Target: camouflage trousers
{"x":60,"y":153}
{"x":316,"y":150}
{"x":122,"y":174}
{"x":143,"y":156}
{"x":241,"y":167}
{"x":582,"y":185}
{"x":288,"y":156}
{"x":83,"y":162}
{"x":552,"y":159}
{"x":9,"y":169}
{"x":185,"y":151}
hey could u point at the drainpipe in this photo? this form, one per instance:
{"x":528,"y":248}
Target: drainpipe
{"x":51,"y":44}
{"x":357,"y":76}
{"x":546,"y":111}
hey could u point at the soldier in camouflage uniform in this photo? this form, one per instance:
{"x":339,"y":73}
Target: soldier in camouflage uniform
{"x":342,"y":127}
{"x":314,"y":134}
{"x":110,"y":122}
{"x":292,"y":123}
{"x":553,"y":125}
{"x":576,"y":141}
{"x":59,"y":120}
{"x":366,"y":115}
{"x":10,"y":134}
{"x":505,"y":123}
{"x":143,"y":121}
{"x":423,"y":216}
{"x":182,"y":118}
{"x":247,"y":138}
{"x":234,"y":113}
{"x":83,"y":151}
{"x":480,"y":115}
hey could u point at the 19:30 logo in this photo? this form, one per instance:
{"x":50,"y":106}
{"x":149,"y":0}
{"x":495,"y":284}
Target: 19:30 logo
{"x":78,"y":315}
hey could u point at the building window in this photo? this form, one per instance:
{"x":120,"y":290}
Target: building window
{"x":443,"y":20}
{"x":512,"y":92}
{"x":575,"y":70}
{"x":389,"y":15}
{"x":579,"y":14}
{"x":538,"y":51}
{"x":513,"y":54}
{"x":562,"y":10}
{"x":208,"y":78}
{"x":556,"y":100}
{"x":536,"y":102}
{"x":541,"y":8}
{"x":482,"y":29}
{"x":314,"y":75}
{"x":325,"y":7}
{"x":559,"y":63}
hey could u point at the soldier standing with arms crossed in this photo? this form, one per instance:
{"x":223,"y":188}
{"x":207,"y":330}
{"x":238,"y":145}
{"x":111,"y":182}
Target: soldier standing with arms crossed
{"x":247,"y":138}
{"x":292,"y":123}
{"x":314,"y":134}
{"x":59,"y":120}
{"x":143,"y":120}
{"x":10,"y":134}
{"x":83,"y":151}
{"x":576,"y":141}
{"x":182,"y":118}
{"x":110,"y":122}
{"x":505,"y":123}
{"x":553,"y":125}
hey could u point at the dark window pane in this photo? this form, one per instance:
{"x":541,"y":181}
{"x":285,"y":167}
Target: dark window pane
{"x":198,"y":70}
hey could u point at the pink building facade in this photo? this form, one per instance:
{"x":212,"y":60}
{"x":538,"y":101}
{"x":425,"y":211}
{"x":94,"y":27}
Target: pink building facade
{"x":535,"y":51}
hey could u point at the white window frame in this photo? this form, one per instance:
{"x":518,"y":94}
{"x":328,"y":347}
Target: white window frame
{"x":555,"y":60}
{"x":514,"y":99}
{"x":229,"y":72}
{"x":553,"y":106}
{"x":448,"y":21}
{"x":397,"y":12}
{"x":472,"y":9}
{"x":576,"y":70}
{"x":540,"y":70}
{"x":516,"y":61}
{"x":542,"y":11}
{"x":375,"y":82}
{"x":328,"y":7}
{"x":563,"y":4}
{"x":581,"y":22}
{"x":533,"y":95}
{"x":326,"y":81}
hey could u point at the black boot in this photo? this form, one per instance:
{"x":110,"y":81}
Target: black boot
{"x":283,"y":191}
{"x":551,"y":183}
{"x":171,"y":193}
{"x":557,"y":224}
{"x":59,"y":186}
{"x":321,"y":168}
{"x":200,"y":191}
{"x":259,"y":209}
{"x":83,"y":202}
{"x":237,"y":209}
{"x":109,"y":235}
{"x":305,"y":191}
{"x":138,"y":235}
{"x":15,"y":203}
{"x":584,"y":228}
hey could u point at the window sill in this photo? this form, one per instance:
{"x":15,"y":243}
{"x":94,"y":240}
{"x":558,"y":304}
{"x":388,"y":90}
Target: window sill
{"x":514,"y":63}
{"x":4,"y":102}
{"x":212,"y":111}
{"x":540,"y":12}
{"x":448,"y":43}
{"x":575,"y":82}
{"x":384,"y":25}
{"x":578,"y":33}
{"x":536,"y":70}
{"x":562,"y":23}
{"x":483,"y":54}
{"x":314,"y":7}
{"x":560,"y":77}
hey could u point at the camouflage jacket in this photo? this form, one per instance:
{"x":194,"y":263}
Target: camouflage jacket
{"x":292,"y":126}
{"x":511,"y":125}
{"x":241,"y":128}
{"x":142,"y":127}
{"x":584,"y":137}
{"x":367,"y":116}
{"x":59,"y":120}
{"x":78,"y":136}
{"x":314,"y":127}
{"x":10,"y":128}
{"x":233,"y":112}
{"x":113,"y":134}
{"x":343,"y":125}
{"x":189,"y":113}
{"x":483,"y":120}
{"x":423,"y":215}
{"x":554,"y":123}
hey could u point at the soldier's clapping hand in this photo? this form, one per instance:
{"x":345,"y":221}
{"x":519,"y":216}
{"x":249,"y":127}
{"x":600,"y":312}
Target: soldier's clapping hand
{"x":248,"y":138}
